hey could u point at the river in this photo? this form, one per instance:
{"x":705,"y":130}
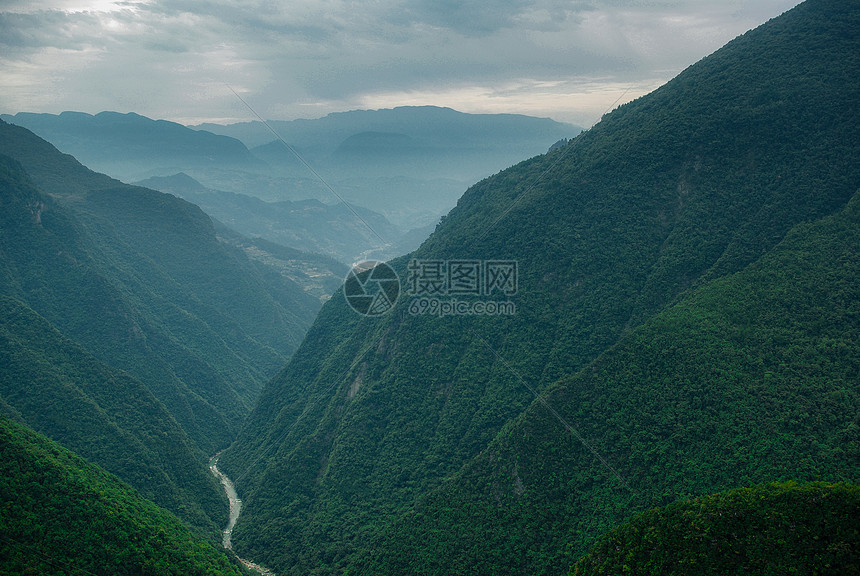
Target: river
{"x":235,"y":510}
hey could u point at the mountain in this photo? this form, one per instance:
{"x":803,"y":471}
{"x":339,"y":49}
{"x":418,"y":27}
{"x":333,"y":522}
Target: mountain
{"x":59,"y":514}
{"x":103,"y":414}
{"x":750,"y":378}
{"x":431,"y":128}
{"x":410,"y":163}
{"x":766,"y":529}
{"x":319,"y":276}
{"x":685,"y":323}
{"x":132,"y":147}
{"x":130,"y":331}
{"x":307,"y":225}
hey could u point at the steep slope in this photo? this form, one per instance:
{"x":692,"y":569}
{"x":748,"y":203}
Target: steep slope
{"x":185,"y":313}
{"x":680,"y":188}
{"x":106,"y":416}
{"x":135,"y":297}
{"x":767,"y":529}
{"x":749,"y":379}
{"x":61,"y":515}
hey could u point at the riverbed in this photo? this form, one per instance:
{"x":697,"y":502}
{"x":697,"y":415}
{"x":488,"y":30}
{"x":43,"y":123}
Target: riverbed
{"x":235,"y":510}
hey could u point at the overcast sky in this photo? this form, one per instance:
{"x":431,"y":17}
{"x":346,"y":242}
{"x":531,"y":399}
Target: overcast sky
{"x":178,"y":59}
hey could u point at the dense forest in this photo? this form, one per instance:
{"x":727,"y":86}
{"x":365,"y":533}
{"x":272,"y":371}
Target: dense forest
{"x":62,"y":515}
{"x":132,"y":333}
{"x":749,"y":379}
{"x":686,"y":308}
{"x":783,"y":528}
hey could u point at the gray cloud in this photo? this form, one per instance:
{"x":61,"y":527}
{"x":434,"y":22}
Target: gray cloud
{"x":48,"y":29}
{"x":174,"y":58}
{"x":465,"y":17}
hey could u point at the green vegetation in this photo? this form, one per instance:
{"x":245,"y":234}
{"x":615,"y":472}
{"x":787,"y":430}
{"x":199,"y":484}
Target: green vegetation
{"x":180,"y":311}
{"x":103,"y":415}
{"x":128,"y":331}
{"x":687,"y":302}
{"x":749,"y":379}
{"x":767,"y":529}
{"x":61,"y":515}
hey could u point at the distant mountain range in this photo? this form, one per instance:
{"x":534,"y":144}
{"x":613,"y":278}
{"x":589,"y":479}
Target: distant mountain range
{"x":411,"y":141}
{"x":409,"y":164}
{"x":130,"y":147}
{"x":348,"y":233}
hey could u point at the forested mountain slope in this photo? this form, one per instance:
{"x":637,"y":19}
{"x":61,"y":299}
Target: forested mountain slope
{"x":160,"y":280}
{"x":59,"y":514}
{"x":102,"y":414}
{"x":677,"y":191}
{"x":767,"y":529}
{"x":754,"y":377}
{"x":139,"y":306}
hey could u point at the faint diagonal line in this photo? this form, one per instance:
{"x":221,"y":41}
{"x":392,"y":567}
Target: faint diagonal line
{"x":552,"y":411}
{"x":564,"y":152}
{"x":309,"y":167}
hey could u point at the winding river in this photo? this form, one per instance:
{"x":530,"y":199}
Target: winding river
{"x":235,"y":510}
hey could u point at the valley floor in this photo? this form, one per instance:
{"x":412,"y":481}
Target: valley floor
{"x":235,"y":510}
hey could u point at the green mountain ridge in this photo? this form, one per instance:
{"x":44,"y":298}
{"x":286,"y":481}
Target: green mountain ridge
{"x":767,"y":529}
{"x":751,"y":378}
{"x":55,"y":387}
{"x":410,"y":444}
{"x":140,"y":307}
{"x":59,"y":514}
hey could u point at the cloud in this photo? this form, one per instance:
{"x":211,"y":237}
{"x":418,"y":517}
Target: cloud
{"x":471,"y":18}
{"x":49,"y":30}
{"x":176,"y":58}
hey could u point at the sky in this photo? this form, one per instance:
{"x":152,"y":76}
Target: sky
{"x":187,"y":60}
